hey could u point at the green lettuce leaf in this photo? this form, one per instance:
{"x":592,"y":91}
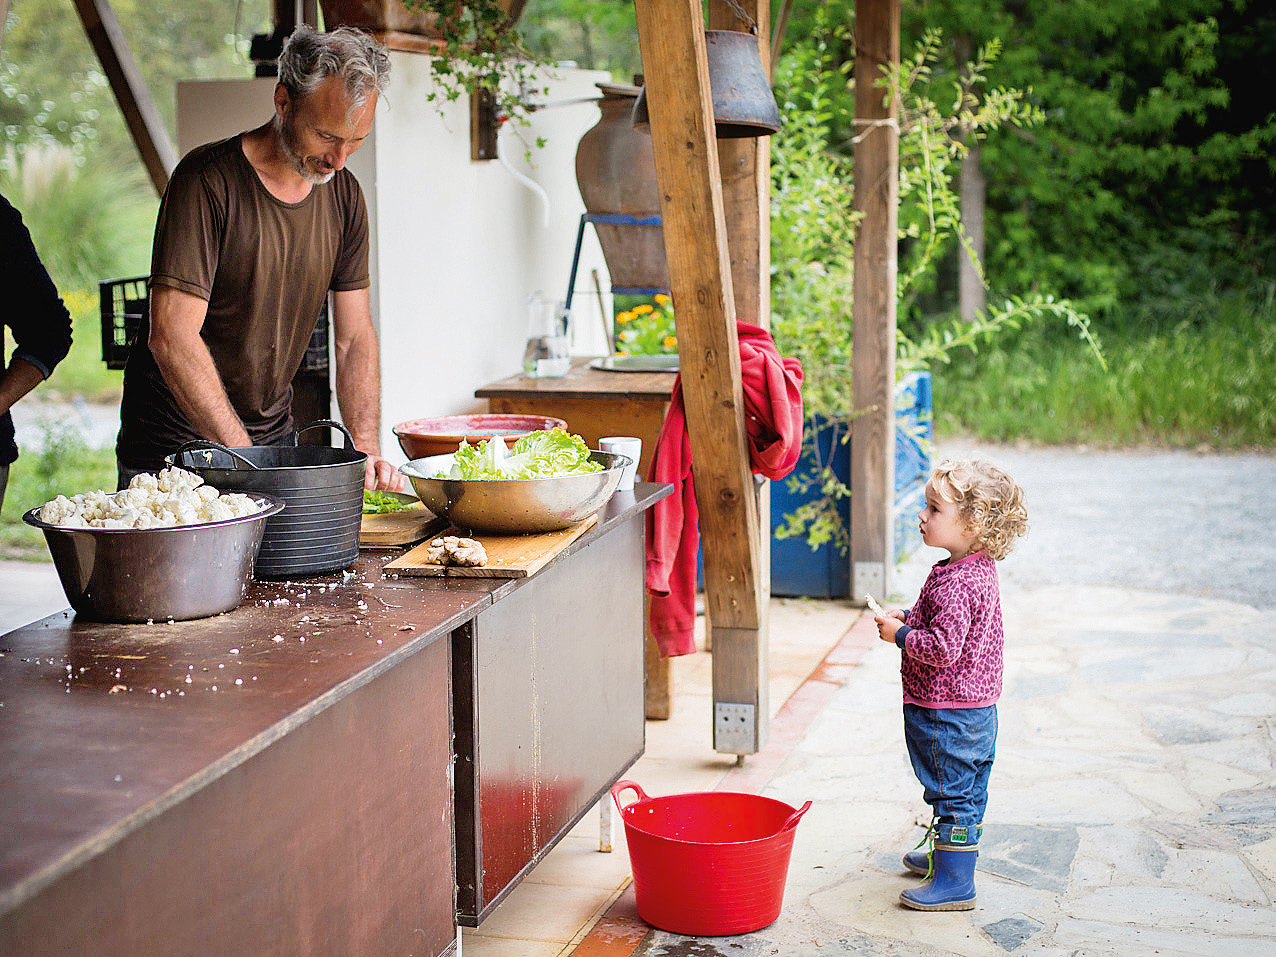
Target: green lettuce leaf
{"x":542,"y":454}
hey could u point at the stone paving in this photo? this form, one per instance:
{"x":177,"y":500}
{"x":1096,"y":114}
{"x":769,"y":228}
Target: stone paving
{"x":1133,"y":800}
{"x":1132,"y":811}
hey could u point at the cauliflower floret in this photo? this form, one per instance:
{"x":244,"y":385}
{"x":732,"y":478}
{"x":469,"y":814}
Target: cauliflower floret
{"x":215,"y":511}
{"x":206,"y":493}
{"x":144,"y":520}
{"x":144,"y":480}
{"x":173,"y":478}
{"x":187,"y":514}
{"x":57,"y":510}
{"x":132,"y":497}
{"x":240,"y":504}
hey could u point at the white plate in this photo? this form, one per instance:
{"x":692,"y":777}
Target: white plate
{"x":659,"y":363}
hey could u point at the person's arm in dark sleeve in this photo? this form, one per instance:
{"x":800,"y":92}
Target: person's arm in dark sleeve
{"x":36,"y":315}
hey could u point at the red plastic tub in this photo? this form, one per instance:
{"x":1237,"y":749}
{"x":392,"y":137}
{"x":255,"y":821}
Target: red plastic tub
{"x":708,"y":864}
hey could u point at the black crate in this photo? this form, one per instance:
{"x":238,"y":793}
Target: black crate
{"x":316,"y":358}
{"x":123,"y":306}
{"x":124,"y":302}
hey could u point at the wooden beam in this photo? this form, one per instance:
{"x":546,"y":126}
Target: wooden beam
{"x":671,"y":37}
{"x":873,"y":309}
{"x":143,"y":120}
{"x":741,"y":656}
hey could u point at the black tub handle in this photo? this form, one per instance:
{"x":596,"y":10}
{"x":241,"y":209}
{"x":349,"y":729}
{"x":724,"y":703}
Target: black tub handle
{"x":331,"y":424}
{"x":197,"y":445}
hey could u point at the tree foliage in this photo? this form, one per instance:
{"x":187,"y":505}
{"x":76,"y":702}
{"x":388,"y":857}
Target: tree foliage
{"x":1152,"y":178}
{"x":52,"y":87}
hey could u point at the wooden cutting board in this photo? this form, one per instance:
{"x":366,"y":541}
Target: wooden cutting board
{"x":394,"y":529}
{"x":508,"y":556}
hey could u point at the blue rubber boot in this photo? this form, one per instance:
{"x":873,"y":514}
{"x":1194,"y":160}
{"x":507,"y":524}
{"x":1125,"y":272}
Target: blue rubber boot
{"x":952,"y":887}
{"x":918,"y":861}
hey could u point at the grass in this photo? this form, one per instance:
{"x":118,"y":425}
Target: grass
{"x":66,"y":466}
{"x":1204,"y":383}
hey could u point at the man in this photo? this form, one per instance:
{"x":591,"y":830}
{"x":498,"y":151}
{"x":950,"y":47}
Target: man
{"x":252,"y":233}
{"x":40,"y":324}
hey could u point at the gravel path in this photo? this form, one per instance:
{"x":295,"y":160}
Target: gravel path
{"x":1177,"y":522}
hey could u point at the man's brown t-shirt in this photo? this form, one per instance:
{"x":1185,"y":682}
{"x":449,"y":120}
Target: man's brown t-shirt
{"x":265,"y":268}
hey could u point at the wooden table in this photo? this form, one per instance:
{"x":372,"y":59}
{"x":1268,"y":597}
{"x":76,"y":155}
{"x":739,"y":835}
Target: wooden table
{"x":595,"y":404}
{"x":317,"y":770}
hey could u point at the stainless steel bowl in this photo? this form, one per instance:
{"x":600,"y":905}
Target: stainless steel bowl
{"x":157,"y":574}
{"x":515,"y":506}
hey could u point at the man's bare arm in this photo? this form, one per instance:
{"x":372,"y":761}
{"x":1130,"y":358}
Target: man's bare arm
{"x":359,"y":383}
{"x":187,"y":366}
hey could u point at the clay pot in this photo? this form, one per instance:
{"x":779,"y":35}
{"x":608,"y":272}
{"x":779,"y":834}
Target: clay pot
{"x":616,"y":173}
{"x":377,"y":16}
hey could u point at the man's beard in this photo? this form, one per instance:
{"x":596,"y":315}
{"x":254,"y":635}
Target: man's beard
{"x":288,"y":141}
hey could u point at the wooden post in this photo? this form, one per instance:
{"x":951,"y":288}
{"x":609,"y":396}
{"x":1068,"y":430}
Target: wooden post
{"x":671,"y":37}
{"x":873,"y":336}
{"x":741,"y":673}
{"x":144,"y":123}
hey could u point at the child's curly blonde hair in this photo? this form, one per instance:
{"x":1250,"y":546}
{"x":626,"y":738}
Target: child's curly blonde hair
{"x":988,"y":500}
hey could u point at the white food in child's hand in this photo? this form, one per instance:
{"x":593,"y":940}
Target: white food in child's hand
{"x":874,"y":606}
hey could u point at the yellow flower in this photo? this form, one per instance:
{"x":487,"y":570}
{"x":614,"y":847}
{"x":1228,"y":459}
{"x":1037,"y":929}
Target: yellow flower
{"x":670,"y":342}
{"x":644,"y":309}
{"x":625,"y":317}
{"x":662,"y":300}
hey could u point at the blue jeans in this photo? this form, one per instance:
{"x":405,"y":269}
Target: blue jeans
{"x":952,"y":751}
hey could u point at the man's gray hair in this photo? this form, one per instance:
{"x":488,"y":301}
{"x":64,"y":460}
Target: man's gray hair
{"x":309,"y":57}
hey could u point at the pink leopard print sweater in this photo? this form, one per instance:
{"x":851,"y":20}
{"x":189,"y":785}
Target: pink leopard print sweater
{"x":952,"y":639}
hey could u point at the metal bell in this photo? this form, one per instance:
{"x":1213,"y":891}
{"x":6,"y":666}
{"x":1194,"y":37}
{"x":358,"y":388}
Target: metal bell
{"x":743,"y":104}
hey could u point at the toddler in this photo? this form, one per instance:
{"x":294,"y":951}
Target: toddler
{"x":951,"y":643}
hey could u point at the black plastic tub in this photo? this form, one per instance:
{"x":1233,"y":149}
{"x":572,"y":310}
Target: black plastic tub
{"x":321,"y":488}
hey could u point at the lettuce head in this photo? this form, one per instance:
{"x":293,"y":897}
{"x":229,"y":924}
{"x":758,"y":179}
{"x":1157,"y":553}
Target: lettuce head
{"x":542,"y":454}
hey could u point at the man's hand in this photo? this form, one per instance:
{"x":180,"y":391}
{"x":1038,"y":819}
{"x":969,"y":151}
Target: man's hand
{"x":380,"y":474}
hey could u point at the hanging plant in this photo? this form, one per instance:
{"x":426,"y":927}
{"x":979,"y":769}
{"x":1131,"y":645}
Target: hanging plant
{"x":481,"y":53}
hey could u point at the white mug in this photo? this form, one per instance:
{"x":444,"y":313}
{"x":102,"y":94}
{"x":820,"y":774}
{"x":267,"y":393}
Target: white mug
{"x":624,"y":445}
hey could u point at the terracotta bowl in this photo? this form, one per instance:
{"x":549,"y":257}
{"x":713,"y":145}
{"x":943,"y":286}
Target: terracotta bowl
{"x":421,"y":438}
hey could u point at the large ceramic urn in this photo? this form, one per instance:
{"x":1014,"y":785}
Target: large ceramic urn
{"x":616,"y":172}
{"x":377,"y":16}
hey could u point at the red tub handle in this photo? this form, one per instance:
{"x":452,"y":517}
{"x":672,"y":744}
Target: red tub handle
{"x":795,"y":817}
{"x":620,"y":787}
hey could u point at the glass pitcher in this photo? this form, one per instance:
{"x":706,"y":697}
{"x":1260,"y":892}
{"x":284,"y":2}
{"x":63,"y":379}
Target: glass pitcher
{"x":548,"y":352}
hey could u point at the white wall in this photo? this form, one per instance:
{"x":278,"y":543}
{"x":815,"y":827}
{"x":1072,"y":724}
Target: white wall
{"x":458,"y":247}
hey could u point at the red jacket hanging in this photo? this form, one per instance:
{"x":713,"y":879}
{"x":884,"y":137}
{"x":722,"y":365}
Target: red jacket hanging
{"x":772,"y":387}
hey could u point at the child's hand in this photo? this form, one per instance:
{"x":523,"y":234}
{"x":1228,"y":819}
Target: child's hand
{"x":889,"y":624}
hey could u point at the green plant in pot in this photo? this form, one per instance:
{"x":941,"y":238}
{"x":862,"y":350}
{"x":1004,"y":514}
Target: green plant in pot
{"x":813,"y":228}
{"x":481,"y":53}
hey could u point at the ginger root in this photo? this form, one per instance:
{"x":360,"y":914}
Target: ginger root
{"x":454,"y":550}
